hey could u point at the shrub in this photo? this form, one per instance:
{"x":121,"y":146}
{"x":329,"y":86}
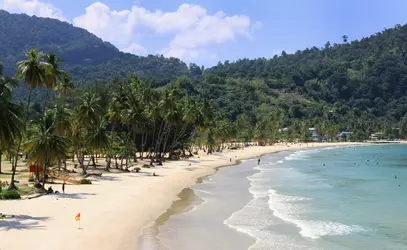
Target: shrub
{"x":146,"y":166}
{"x":86,"y":181}
{"x":10,"y":195}
{"x":137,"y":169}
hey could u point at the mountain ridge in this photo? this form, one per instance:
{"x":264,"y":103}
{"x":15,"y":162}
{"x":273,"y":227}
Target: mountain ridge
{"x":82,"y":51}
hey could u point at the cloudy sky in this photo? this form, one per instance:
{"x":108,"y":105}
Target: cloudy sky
{"x":208,"y":31}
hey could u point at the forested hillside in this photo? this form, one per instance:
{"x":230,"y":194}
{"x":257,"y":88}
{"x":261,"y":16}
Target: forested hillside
{"x":357,"y":85}
{"x":366,"y":78}
{"x":86,"y":56}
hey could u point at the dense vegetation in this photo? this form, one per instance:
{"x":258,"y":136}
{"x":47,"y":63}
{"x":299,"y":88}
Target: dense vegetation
{"x":138,"y":107}
{"x":366,"y":78}
{"x":86,"y":56}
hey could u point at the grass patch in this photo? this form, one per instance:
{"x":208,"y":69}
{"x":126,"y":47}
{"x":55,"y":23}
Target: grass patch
{"x":9,"y":195}
{"x":86,"y":182}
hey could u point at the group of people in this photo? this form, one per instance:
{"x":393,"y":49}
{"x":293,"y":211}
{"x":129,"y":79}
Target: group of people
{"x":51,"y":191}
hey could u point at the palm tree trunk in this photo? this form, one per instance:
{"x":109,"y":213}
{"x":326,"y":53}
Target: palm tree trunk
{"x":121,"y":163}
{"x":44,"y":170}
{"x":115,"y":159}
{"x":1,"y":154}
{"x":167,"y":136}
{"x":109,"y":160}
{"x":178,"y":137}
{"x":14,"y":165}
{"x":45,"y":101}
{"x":158,"y":142}
{"x":93,"y":160}
{"x":81,"y":162}
{"x":134,"y":144}
{"x":90,"y":159}
{"x":150,"y":150}
{"x":65,"y":165}
{"x":142,"y":144}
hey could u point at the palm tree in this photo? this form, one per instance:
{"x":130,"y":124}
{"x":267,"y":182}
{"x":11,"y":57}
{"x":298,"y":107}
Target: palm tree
{"x":10,"y":114}
{"x":35,"y":73}
{"x":62,"y":116}
{"x":86,"y":121}
{"x":98,"y":139}
{"x":55,"y":75}
{"x":133,"y":115}
{"x":188,"y":117}
{"x":77,"y":135}
{"x":88,"y":110}
{"x":64,"y":87}
{"x":44,"y":145}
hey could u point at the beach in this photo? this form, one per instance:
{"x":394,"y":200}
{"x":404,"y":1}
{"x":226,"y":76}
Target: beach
{"x":116,"y":208}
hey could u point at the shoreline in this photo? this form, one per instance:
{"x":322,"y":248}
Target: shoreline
{"x":117,"y":208}
{"x":187,"y":204}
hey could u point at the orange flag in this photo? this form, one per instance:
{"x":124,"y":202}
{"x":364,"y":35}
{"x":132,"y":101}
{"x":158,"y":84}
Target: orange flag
{"x":78,"y":217}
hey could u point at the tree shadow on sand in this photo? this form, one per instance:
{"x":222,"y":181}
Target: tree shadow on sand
{"x":74,"y":196}
{"x":22,"y":222}
{"x":107,"y":178}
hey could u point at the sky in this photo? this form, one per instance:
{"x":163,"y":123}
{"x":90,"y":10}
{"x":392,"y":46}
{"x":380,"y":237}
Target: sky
{"x":209,"y":31}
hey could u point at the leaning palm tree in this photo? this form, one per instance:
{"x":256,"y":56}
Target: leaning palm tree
{"x":44,"y":145}
{"x":35,"y":73}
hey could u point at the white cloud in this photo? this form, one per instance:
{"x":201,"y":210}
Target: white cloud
{"x":192,"y":28}
{"x":110,"y":25}
{"x":212,"y":29}
{"x":32,"y":7}
{"x":136,"y":49}
{"x":169,"y":22}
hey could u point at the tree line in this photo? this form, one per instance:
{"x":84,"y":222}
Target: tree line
{"x":126,"y":119}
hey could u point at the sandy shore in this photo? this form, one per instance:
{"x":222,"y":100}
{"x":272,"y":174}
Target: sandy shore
{"x":115,"y":209}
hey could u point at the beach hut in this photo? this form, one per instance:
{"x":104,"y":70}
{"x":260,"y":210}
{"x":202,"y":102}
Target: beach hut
{"x":344,"y":135}
{"x":377,"y":136}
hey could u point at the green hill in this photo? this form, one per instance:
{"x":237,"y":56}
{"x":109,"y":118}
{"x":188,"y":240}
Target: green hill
{"x":368,"y":77}
{"x":86,"y":56}
{"x":359,"y":84}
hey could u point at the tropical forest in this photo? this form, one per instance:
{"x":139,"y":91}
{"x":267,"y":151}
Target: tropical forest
{"x":66,"y":94}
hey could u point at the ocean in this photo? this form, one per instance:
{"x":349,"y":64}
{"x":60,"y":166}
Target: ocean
{"x":326,"y":198}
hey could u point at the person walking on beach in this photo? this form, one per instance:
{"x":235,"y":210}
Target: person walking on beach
{"x":258,"y":161}
{"x":63,"y":187}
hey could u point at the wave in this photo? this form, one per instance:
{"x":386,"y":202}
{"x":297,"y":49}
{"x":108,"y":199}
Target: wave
{"x":202,"y":191}
{"x":298,"y":155}
{"x":306,"y":154}
{"x":253,"y":220}
{"x":290,"y":209}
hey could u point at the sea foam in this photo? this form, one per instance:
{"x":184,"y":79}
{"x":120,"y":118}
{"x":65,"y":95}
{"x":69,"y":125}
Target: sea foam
{"x":290,"y":209}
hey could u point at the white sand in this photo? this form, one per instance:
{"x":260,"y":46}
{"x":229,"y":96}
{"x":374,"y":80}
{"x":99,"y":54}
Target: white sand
{"x":115,"y":210}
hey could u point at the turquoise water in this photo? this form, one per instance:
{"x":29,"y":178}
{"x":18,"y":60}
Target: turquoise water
{"x":331,"y":198}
